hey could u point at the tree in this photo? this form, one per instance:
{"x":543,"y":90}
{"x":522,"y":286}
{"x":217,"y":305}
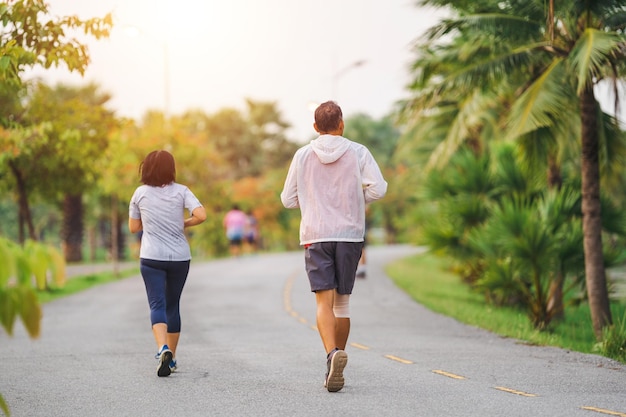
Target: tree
{"x":250,"y":141}
{"x":29,"y":38}
{"x":544,"y":67}
{"x":80,"y":124}
{"x":380,"y":136}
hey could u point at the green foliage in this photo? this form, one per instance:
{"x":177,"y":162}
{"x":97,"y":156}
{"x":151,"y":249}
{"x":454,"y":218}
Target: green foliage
{"x":460,"y":194}
{"x":427,"y":278}
{"x":613,"y":344}
{"x":78,"y":284}
{"x":521,"y":250}
{"x":514,"y":240}
{"x":38,"y":260}
{"x":32,"y":147}
{"x":17,"y":292}
{"x":29,"y":37}
{"x":78,"y":136}
{"x":4,"y":407}
{"x":23,"y":269}
{"x":381,"y":138}
{"x":43,"y":261}
{"x":543,"y":61}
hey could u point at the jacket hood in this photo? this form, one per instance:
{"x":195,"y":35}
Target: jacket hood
{"x":329,"y":148}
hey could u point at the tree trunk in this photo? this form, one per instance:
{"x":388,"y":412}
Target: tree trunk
{"x":115,"y":247}
{"x":92,"y":242}
{"x":23,"y":207}
{"x":72,"y":232}
{"x":551,"y":22}
{"x":555,"y":298}
{"x":555,"y":180}
{"x":595,"y":274}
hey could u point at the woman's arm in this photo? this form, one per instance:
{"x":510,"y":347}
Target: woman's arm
{"x":134,"y":225}
{"x":198,"y":215}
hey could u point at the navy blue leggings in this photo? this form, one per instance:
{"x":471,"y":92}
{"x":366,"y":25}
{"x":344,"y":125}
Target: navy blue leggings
{"x":164,"y":284}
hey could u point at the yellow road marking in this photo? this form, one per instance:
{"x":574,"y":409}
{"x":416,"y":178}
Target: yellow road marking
{"x":448,"y":374}
{"x":603,"y":411}
{"x":302,"y":320}
{"x":512,"y":391}
{"x":397,"y":359}
{"x":359,"y":346}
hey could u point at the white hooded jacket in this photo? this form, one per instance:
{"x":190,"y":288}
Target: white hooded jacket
{"x":330,"y":180}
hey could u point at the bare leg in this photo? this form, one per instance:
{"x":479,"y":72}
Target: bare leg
{"x":159,"y":330}
{"x":342,"y":332}
{"x":326,"y":323}
{"x":160,"y":335}
{"x":172,"y":342}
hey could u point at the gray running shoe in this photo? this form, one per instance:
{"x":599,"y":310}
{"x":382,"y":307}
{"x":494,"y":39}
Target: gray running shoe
{"x":337,"y":361}
{"x":165,"y":359}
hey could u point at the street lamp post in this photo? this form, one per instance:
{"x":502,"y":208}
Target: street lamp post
{"x":341,"y":73}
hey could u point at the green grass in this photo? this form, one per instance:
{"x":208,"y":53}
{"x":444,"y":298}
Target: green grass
{"x":426,"y":280}
{"x":78,"y":284}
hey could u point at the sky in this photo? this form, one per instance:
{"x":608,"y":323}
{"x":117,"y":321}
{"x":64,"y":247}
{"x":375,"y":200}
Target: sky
{"x":179,"y":55}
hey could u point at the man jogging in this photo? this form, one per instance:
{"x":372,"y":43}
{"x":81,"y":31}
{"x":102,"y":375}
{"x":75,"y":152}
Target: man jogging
{"x":331,"y":180}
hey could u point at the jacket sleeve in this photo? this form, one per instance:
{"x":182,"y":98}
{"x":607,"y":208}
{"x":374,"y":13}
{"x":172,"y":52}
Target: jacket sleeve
{"x":374,"y":185}
{"x":289,"y":195}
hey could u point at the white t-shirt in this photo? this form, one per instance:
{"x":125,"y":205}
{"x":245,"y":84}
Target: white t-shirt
{"x":162,"y":214}
{"x":330,"y":180}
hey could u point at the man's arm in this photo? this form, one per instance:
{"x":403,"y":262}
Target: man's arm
{"x":289,"y":195}
{"x":374,"y":185}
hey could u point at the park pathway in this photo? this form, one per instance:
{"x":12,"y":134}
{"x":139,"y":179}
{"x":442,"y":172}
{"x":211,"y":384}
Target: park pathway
{"x":249,"y":348}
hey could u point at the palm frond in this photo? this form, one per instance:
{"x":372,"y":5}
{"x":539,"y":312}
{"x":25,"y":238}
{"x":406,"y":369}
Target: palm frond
{"x":535,"y":148}
{"x":510,"y":26}
{"x":541,"y":102}
{"x":592,"y":52}
{"x":612,"y":149}
{"x":472,"y":115}
{"x":616,"y":20}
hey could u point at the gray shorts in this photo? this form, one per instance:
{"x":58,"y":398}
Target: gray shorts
{"x":332,"y":265}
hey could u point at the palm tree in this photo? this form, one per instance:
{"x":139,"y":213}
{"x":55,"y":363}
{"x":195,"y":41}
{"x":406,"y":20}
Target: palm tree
{"x":550,"y":71}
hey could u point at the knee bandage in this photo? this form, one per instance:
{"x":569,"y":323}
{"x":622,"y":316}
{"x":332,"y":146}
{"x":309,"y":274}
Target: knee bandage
{"x":341,"y":307}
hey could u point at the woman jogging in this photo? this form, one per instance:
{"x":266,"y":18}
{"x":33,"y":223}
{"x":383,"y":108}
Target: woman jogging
{"x":157,"y":209}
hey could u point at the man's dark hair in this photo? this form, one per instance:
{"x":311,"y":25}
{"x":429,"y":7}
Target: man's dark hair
{"x":328,"y":116}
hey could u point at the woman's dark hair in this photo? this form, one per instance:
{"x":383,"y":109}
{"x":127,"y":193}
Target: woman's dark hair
{"x":328,"y":116}
{"x":158,"y":169}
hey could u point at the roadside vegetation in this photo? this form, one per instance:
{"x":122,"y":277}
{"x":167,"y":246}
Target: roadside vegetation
{"x":81,"y":283}
{"x":428,"y":279}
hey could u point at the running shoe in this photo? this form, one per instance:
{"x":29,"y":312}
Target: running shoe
{"x":360,"y":271}
{"x":337,"y":361}
{"x":173,"y":365}
{"x":165,"y":359}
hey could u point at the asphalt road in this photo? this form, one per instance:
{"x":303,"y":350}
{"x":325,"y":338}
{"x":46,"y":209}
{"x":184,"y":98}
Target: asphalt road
{"x":249,"y":348}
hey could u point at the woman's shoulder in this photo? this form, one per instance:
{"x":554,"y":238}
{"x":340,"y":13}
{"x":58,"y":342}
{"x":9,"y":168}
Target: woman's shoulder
{"x":176,"y":186}
{"x":141,"y":189}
